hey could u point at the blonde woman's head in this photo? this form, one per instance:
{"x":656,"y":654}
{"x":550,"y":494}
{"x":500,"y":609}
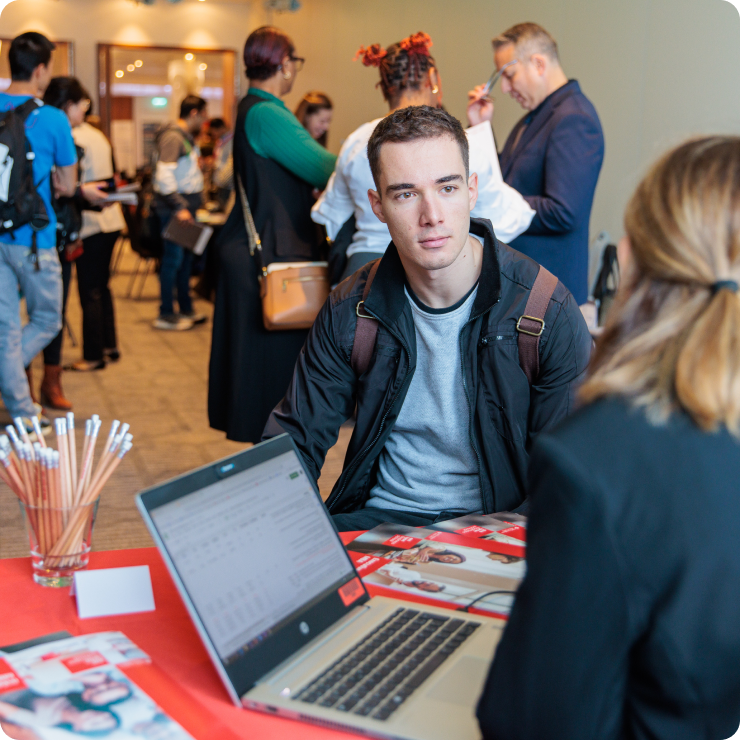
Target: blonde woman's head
{"x":672,"y":340}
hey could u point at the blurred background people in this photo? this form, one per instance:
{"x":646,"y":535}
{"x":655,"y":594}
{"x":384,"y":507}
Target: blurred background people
{"x":222,"y":174}
{"x":628,"y":621}
{"x":67,"y":94}
{"x":178,"y":188}
{"x":409,"y":76}
{"x":99,"y":234}
{"x":278,"y":164}
{"x":315,"y":113}
{"x":28,"y":257}
{"x":553,"y":156}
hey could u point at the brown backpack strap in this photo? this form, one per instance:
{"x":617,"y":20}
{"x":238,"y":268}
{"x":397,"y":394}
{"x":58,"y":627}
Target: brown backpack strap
{"x":365,"y":332}
{"x":531,"y":325}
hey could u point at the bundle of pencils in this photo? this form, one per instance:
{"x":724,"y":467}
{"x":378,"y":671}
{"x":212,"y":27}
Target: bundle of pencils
{"x":58,"y":494}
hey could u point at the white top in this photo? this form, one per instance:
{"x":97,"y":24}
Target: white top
{"x":346,"y":192}
{"x":97,"y":164}
{"x":428,"y":463}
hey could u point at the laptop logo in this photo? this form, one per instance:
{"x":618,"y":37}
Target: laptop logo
{"x":304,"y":628}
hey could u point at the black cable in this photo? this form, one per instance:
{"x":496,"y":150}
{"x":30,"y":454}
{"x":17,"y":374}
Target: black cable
{"x":483,"y":596}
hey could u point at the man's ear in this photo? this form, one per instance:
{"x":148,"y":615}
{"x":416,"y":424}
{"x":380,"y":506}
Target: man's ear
{"x":375,"y":203}
{"x":473,"y":189}
{"x":540,"y":63}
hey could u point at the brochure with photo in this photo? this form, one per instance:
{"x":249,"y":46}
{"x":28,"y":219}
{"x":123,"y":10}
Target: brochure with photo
{"x":76,"y":687}
{"x":440,"y":568}
{"x":504,"y":526}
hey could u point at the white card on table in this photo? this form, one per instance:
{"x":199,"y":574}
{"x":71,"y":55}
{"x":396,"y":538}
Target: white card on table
{"x":108,"y":591}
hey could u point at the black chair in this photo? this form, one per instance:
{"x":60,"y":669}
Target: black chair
{"x":145,"y":236}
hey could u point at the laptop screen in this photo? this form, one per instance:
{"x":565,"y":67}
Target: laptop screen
{"x":258,"y":556}
{"x":251,"y":550}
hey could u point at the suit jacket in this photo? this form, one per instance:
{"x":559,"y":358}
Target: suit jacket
{"x":627,"y":625}
{"x":555,"y":166}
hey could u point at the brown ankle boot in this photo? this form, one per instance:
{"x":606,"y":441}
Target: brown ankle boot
{"x":29,"y":375}
{"x":52,"y":394}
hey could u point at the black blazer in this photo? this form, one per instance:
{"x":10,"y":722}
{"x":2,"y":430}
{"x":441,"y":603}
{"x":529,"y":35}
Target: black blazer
{"x":555,"y":167}
{"x":627,"y":625}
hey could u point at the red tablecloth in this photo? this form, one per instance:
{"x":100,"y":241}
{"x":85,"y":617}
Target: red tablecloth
{"x":28,"y":610}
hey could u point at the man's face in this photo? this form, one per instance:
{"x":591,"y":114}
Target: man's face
{"x":425,"y":199}
{"x":521,"y":80}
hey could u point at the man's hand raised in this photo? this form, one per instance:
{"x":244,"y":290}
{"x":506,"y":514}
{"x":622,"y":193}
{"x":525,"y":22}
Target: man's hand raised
{"x":480,"y":106}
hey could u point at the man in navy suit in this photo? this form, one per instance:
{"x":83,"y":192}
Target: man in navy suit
{"x":552,"y":156}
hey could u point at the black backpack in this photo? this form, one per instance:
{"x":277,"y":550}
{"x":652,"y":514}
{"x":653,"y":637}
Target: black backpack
{"x":20,"y":202}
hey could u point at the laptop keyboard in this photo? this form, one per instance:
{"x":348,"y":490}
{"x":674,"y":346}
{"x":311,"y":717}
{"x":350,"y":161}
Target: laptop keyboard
{"x":377,"y":675}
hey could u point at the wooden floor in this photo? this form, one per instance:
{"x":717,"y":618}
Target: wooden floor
{"x":160,"y":388}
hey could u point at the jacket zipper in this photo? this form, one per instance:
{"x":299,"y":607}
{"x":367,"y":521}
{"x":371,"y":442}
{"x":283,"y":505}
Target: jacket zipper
{"x":361,"y":456}
{"x":471,"y":418}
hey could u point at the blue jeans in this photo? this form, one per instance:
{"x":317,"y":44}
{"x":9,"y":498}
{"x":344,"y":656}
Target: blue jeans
{"x":176,"y":268}
{"x":18,"y":346}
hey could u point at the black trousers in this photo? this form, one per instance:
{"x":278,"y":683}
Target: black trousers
{"x":53,"y":351}
{"x":93,"y":274}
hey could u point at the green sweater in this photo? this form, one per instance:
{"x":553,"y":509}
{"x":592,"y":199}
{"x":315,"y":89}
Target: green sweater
{"x":274,"y":132}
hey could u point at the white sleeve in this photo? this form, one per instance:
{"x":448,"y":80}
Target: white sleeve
{"x":165,"y":181}
{"x":335,"y":205}
{"x":507,"y":210}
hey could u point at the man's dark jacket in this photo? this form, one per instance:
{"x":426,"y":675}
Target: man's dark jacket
{"x":506,"y":414}
{"x":555,"y":166}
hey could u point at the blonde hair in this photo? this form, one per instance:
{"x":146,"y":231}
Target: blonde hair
{"x":672,"y":340}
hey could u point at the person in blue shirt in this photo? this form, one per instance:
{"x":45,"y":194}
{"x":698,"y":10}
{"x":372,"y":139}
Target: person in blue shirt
{"x":54,"y":165}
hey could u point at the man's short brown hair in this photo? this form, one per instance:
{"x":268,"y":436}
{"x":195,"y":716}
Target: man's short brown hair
{"x":530,"y":38}
{"x":410,"y":124}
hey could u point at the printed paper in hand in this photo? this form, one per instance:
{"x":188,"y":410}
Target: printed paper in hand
{"x":75,"y":688}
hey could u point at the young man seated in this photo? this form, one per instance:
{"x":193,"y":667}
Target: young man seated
{"x":445,"y":414}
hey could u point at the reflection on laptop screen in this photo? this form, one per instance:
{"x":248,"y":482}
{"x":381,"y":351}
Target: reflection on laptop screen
{"x":252,"y":550}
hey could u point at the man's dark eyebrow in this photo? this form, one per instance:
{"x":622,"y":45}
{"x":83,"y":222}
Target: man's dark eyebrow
{"x":449,"y":178}
{"x":411,"y":186}
{"x":400,"y":186}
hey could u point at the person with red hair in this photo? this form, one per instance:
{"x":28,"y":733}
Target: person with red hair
{"x":409,"y":77}
{"x":277,"y":165}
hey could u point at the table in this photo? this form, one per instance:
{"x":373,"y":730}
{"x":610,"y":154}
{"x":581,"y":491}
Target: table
{"x":28,"y":610}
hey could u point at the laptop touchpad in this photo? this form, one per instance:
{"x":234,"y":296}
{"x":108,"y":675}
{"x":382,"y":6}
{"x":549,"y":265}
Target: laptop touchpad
{"x":463,"y":683}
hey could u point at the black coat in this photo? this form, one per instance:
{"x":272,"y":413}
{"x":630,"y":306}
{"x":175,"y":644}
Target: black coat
{"x":506,"y":415}
{"x":555,"y":166}
{"x":627,"y":625}
{"x":250,"y":367}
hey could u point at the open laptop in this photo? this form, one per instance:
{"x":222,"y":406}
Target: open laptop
{"x":287,"y":621}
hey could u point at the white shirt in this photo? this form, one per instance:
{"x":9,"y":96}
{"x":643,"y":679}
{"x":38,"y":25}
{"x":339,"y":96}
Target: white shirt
{"x":346,"y":192}
{"x":97,"y":164}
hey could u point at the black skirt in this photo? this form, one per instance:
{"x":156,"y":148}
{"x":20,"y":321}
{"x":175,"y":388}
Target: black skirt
{"x":250,"y":367}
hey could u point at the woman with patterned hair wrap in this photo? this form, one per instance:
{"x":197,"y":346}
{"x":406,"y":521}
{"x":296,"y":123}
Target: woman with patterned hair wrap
{"x":409,"y":77}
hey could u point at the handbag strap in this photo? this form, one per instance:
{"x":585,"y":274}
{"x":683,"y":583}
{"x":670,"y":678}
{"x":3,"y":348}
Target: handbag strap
{"x":532,"y":323}
{"x":366,"y":330}
{"x":255,"y":244}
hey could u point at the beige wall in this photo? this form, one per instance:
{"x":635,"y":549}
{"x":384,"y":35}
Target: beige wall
{"x":656,"y":70}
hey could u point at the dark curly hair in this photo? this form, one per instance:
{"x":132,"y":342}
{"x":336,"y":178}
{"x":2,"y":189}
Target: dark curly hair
{"x":402,"y":66}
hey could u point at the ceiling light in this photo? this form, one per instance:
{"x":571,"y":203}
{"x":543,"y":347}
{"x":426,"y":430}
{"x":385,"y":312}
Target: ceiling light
{"x":203,"y":66}
{"x":130,"y":68}
{"x":119,"y":73}
{"x":189,"y":57}
{"x":138,"y":63}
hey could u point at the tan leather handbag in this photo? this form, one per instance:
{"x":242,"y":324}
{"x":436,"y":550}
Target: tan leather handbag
{"x":292,"y":292}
